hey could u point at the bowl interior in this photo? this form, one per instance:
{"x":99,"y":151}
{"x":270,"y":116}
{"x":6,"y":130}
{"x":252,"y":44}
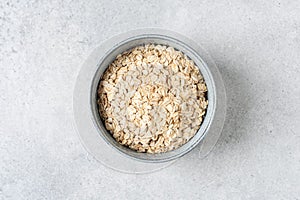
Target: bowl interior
{"x":163,"y":40}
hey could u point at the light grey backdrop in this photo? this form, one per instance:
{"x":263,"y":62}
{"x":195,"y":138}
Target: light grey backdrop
{"x":256,"y":45}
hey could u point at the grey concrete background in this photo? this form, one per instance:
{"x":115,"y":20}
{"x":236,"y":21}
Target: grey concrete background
{"x":256,"y":45}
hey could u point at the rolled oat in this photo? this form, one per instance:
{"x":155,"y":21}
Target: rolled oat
{"x":152,"y":98}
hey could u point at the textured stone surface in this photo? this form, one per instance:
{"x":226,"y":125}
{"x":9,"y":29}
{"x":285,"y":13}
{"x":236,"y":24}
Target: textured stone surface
{"x":256,"y":45}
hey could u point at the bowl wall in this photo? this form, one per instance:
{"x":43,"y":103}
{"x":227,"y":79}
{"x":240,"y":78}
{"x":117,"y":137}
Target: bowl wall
{"x":163,"y":39}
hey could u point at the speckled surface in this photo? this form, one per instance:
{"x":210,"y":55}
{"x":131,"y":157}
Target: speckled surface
{"x":256,"y":45}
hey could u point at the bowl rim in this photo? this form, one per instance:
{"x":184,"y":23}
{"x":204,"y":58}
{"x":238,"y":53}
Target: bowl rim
{"x":127,"y":37}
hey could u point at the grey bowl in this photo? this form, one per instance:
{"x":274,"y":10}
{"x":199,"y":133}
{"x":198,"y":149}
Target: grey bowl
{"x":128,"y":40}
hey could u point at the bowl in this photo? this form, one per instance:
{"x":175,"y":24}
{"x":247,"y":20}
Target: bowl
{"x":125,"y":41}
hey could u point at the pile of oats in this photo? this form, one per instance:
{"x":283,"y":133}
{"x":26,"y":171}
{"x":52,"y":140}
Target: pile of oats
{"x":152,"y":98}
